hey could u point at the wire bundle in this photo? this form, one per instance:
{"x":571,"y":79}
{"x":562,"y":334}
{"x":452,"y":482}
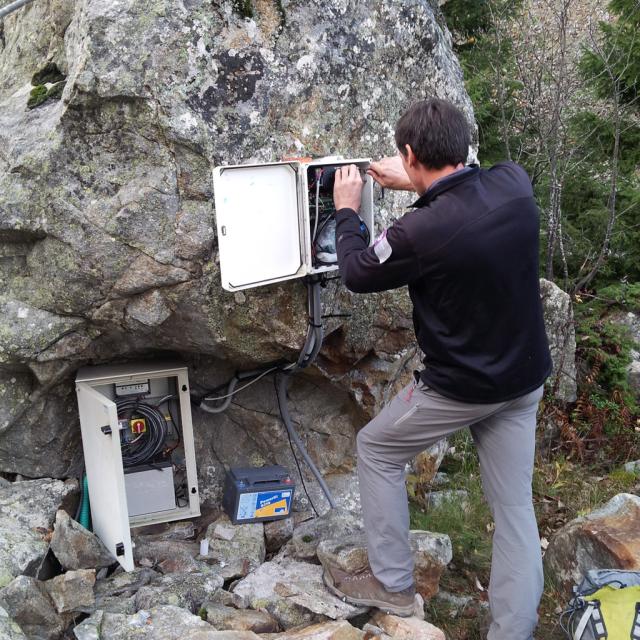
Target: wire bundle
{"x":148,"y":445}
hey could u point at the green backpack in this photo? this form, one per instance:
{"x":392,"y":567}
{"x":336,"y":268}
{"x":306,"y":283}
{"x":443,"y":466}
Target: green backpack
{"x":606,"y":604}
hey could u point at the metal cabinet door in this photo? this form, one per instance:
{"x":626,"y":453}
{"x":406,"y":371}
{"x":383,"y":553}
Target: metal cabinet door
{"x":260,"y":224}
{"x":105,"y":474}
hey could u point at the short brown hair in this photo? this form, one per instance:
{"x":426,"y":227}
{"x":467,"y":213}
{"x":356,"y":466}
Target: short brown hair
{"x":437,"y":132}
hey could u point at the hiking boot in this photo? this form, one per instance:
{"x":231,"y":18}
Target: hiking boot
{"x":364,"y":589}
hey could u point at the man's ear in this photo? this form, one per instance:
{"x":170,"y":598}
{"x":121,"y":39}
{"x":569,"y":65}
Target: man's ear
{"x":409,"y":156}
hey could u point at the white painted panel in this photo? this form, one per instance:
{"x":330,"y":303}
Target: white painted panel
{"x":105,"y":474}
{"x":258,"y":220}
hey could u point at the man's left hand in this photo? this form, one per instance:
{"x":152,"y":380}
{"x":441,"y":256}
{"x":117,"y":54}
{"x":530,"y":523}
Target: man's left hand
{"x":347,"y":188}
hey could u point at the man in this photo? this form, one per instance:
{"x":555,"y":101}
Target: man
{"x":469,"y":255}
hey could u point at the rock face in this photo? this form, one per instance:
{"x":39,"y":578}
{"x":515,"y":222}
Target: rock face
{"x":27,"y":512}
{"x":558,"y":318}
{"x":107,"y":242}
{"x":607,"y":538}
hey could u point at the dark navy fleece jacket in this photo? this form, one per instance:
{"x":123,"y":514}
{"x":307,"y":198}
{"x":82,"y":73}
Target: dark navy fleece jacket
{"x":469,"y":255}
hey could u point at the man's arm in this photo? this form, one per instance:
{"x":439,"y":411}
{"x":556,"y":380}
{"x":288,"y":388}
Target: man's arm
{"x":390,"y":263}
{"x":390,"y":174}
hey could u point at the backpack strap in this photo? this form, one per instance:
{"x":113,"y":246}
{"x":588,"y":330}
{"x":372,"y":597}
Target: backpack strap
{"x":584,"y":621}
{"x":592,"y":615}
{"x":597,"y":623}
{"x":635,"y":629}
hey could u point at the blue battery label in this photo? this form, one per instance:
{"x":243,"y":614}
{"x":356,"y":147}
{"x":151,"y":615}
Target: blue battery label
{"x":264,"y":504}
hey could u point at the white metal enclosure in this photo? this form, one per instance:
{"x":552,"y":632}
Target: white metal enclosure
{"x":264,"y":223}
{"x":109,"y":494}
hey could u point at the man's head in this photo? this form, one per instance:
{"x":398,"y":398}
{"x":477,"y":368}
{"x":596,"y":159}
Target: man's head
{"x":435,"y":132}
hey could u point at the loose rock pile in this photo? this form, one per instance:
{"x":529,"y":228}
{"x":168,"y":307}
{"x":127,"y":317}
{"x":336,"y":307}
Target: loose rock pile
{"x":255,"y":581}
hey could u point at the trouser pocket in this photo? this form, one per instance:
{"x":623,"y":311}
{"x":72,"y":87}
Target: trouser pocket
{"x":406,"y":415}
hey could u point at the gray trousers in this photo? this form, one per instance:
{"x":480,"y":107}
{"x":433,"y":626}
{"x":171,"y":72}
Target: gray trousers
{"x":504,"y":435}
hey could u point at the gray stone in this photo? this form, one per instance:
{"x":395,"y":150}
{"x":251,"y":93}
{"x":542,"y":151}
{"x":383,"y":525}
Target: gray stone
{"x":631,"y":322}
{"x":293,"y":593}
{"x":458,"y":497}
{"x":9,"y":628}
{"x":607,"y":538}
{"x":160,"y":623}
{"x":277,"y":533}
{"x":407,"y":628}
{"x":228,"y":599}
{"x":236,"y":549}
{"x":73,"y":590}
{"x":432,"y":553}
{"x":106,"y":208}
{"x":337,"y":630}
{"x":75,"y":547}
{"x":558,"y":318}
{"x":29,"y":606}
{"x":633,"y":467}
{"x":186,"y":590}
{"x":333,"y":524}
{"x":228,"y":618}
{"x":180,"y":530}
{"x":27,"y":512}
{"x":116,"y":593}
{"x":168,"y":556}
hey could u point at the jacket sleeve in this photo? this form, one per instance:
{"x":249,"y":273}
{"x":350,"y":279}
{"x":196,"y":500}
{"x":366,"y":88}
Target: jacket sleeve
{"x":389,"y":264}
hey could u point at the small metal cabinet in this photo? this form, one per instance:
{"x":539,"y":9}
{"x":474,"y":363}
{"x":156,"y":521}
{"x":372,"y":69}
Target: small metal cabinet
{"x":124,"y":496}
{"x":264,"y":220}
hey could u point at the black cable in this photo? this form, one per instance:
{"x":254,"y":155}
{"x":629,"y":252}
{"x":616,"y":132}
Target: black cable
{"x":148,"y":444}
{"x":295,"y":457}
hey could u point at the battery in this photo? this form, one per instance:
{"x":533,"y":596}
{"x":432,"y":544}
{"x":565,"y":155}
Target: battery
{"x":257,"y":494}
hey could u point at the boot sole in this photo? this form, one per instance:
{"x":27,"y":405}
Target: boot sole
{"x":396,"y":610}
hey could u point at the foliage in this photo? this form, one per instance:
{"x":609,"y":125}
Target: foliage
{"x":488,"y":65}
{"x":620,"y":46}
{"x":604,"y":425}
{"x":581,"y":152}
{"x":468,"y":528}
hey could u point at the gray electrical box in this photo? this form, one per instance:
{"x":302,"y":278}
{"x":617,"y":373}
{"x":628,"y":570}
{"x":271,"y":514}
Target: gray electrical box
{"x":267,"y":219}
{"x":137,"y":437}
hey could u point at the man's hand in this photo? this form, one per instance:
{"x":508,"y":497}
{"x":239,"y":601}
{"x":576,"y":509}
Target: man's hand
{"x":390,"y":174}
{"x":347,"y":188}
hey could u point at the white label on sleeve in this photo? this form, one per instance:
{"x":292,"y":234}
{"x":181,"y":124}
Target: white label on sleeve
{"x":382,"y":247}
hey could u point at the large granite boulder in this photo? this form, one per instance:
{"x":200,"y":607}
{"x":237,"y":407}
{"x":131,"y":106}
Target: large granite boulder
{"x":607,"y":538}
{"x":27,"y":513}
{"x":107,"y":243}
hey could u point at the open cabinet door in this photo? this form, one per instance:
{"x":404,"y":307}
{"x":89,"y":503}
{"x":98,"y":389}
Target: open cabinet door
{"x":105,"y":475}
{"x":260,"y":224}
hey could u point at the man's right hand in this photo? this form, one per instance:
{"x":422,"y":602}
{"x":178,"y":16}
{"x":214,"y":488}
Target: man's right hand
{"x":390,"y":174}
